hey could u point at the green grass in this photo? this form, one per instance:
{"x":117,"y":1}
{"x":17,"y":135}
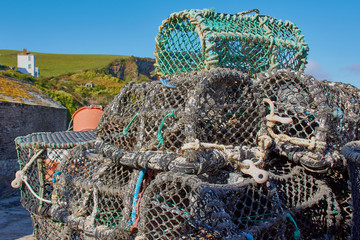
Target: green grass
{"x":63,"y":76}
{"x":59,"y":64}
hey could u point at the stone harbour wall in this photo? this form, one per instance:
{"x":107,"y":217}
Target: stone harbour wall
{"x":19,"y":120}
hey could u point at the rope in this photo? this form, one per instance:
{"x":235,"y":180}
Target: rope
{"x":24,"y":179}
{"x":32,"y":159}
{"x":159,"y":136}
{"x":144,"y":183}
{"x":53,"y":178}
{"x":247,"y":235}
{"x":297,"y":234}
{"x":164,"y":82}
{"x":249,"y":11}
{"x":70,"y":127}
{"x":136,"y":196}
{"x":246,"y":166}
{"x":19,"y":176}
{"x":125,"y":131}
{"x":312,"y":144}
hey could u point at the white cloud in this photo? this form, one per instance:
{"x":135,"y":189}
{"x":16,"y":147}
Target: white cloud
{"x":315,"y":69}
{"x":354,"y":68}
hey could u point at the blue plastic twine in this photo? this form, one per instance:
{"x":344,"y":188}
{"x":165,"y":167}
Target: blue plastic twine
{"x":53,"y":178}
{"x":164,"y":82}
{"x":136,"y":197}
{"x":297,"y":231}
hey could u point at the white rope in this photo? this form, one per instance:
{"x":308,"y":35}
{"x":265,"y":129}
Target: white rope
{"x":246,"y":166}
{"x":32,"y":159}
{"x":24,"y":179}
{"x":21,"y":177}
{"x":312,"y":144}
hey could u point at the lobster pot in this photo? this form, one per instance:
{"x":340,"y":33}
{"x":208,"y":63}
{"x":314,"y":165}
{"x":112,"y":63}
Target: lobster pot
{"x":103,"y":198}
{"x":45,"y":228}
{"x":217,"y":106}
{"x":194,"y":40}
{"x":39,"y":154}
{"x":228,"y":107}
{"x":94,"y":194}
{"x":352,"y":153}
{"x":225,"y":205}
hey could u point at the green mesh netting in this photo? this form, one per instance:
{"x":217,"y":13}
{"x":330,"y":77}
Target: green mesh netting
{"x":202,"y":39}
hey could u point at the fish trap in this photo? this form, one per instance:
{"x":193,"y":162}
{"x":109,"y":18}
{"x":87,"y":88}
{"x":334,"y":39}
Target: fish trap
{"x":39,"y":154}
{"x":45,"y":228}
{"x":190,"y":41}
{"x":179,"y":206}
{"x":93,"y":194}
{"x":215,"y":106}
{"x":104,"y":199}
{"x":310,"y":120}
{"x":198,"y":124}
{"x":282,"y":111}
{"x":352,"y":153}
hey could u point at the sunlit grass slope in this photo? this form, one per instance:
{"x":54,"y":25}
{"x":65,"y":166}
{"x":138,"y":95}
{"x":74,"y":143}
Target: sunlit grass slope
{"x":59,"y":64}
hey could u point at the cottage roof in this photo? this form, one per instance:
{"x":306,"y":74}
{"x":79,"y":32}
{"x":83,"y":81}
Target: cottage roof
{"x":17,"y":91}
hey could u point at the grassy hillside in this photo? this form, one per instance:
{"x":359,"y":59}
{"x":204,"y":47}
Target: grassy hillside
{"x":64,"y":77}
{"x":59,"y":64}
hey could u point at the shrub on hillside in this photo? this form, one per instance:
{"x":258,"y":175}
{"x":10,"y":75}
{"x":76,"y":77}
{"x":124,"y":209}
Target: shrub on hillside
{"x":20,"y":76}
{"x":90,"y":75}
{"x":66,"y":99}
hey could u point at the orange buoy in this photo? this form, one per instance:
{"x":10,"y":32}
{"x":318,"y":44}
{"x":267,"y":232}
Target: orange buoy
{"x":86,"y":118}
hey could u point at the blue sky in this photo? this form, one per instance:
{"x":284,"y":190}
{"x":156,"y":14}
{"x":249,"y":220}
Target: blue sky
{"x":331,"y":28}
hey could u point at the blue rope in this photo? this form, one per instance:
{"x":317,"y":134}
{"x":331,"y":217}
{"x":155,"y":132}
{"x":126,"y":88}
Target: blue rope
{"x":247,"y":235}
{"x":164,"y":82}
{"x":338,"y":113}
{"x":297,"y":231}
{"x":136,"y":197}
{"x":53,"y":178}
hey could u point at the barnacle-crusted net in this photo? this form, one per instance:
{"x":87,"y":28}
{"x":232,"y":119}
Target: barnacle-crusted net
{"x":215,"y":106}
{"x":326,"y":113}
{"x":39,"y":155}
{"x":227,"y":107}
{"x":94,"y":194}
{"x":185,"y":205}
{"x":221,"y":204}
{"x":45,"y":228}
{"x":202,"y":39}
{"x":352,"y":153}
{"x":168,"y":161}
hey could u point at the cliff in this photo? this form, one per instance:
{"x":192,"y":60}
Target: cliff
{"x":130,"y":68}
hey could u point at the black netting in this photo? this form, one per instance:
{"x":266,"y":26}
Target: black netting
{"x":217,"y":106}
{"x":94,"y":194}
{"x":352,"y":153}
{"x":169,"y":163}
{"x":45,"y":228}
{"x":39,"y":155}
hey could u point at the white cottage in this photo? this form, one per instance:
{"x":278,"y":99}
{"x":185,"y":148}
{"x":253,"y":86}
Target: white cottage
{"x":26,"y":63}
